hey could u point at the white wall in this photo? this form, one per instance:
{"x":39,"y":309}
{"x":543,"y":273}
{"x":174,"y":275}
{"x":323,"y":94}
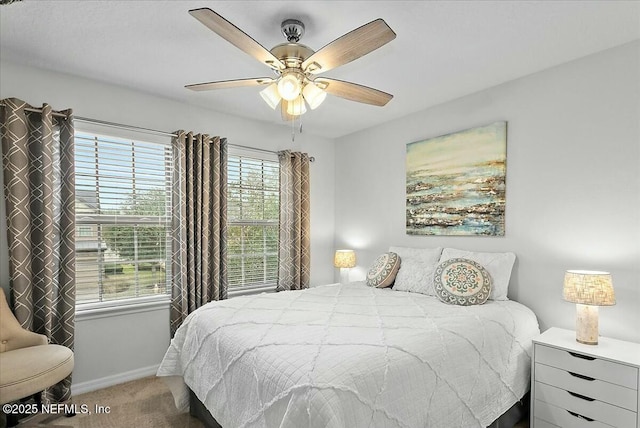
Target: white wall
{"x":108,"y":347}
{"x":573,"y":183}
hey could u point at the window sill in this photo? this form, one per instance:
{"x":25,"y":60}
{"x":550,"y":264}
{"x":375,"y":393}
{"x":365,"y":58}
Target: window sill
{"x":145,"y":304}
{"x":133,"y":306}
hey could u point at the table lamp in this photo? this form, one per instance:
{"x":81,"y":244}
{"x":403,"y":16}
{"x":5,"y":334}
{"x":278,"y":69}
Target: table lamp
{"x":344,"y":259}
{"x":588,"y":290}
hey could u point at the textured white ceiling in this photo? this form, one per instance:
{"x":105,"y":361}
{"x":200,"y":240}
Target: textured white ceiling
{"x":443,"y":49}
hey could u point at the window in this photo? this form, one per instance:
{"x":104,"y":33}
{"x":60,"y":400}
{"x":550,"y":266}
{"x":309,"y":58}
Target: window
{"x":83,"y":231}
{"x":252,"y":222}
{"x":123,"y":218}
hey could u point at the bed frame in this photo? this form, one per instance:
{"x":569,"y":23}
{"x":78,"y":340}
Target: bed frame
{"x":197,"y":410}
{"x":515,"y":414}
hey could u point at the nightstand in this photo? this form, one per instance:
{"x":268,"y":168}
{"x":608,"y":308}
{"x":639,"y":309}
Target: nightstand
{"x":575,"y":385}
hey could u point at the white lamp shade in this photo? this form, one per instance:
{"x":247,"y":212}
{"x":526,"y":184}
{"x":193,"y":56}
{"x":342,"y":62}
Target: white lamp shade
{"x":588,"y":288}
{"x":313,"y":95}
{"x":296,"y":107}
{"x":270,"y":95}
{"x":289,"y":87}
{"x":344,"y":259}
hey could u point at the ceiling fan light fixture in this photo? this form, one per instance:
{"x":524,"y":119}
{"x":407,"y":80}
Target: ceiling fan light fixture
{"x":270,"y":95}
{"x":296,"y":107}
{"x":289,"y":87}
{"x":313,"y":95}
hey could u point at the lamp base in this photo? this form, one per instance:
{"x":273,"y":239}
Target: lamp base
{"x":344,"y":275}
{"x":587,"y":324}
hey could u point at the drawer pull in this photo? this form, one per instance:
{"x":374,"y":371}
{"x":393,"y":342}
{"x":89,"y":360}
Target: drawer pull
{"x":579,"y":416}
{"x":584,"y":357}
{"x":583,"y":397}
{"x":581,"y":376}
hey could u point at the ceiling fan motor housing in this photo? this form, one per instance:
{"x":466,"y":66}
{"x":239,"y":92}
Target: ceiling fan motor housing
{"x":292,"y":55}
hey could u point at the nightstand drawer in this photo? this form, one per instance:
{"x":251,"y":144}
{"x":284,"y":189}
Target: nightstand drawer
{"x":539,"y":423}
{"x":586,"y":385}
{"x":553,"y":416}
{"x":596,"y":368}
{"x":585,"y":406}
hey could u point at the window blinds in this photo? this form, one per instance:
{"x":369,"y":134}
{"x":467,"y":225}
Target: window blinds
{"x":252,"y":222}
{"x":123,"y":218}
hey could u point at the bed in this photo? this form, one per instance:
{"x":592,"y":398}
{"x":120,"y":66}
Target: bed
{"x":352,"y":356}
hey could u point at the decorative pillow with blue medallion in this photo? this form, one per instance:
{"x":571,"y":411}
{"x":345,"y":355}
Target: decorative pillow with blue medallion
{"x":462,"y":282}
{"x":383,"y":271}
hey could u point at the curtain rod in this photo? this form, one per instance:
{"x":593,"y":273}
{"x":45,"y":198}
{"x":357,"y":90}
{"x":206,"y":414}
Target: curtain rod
{"x":137,"y":128}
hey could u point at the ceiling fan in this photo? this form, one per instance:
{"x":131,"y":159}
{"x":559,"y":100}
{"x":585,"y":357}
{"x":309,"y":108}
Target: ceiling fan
{"x":296,"y":65}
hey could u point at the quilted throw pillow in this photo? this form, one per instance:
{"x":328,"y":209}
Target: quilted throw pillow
{"x":416,"y":273}
{"x":462,"y":282}
{"x":383,"y":271}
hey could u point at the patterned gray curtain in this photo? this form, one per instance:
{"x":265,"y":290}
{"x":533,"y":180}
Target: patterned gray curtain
{"x":199,"y":226}
{"x":294,"y":249}
{"x":39,"y":188}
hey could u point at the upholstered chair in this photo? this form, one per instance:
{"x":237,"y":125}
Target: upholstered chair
{"x":28,"y":363}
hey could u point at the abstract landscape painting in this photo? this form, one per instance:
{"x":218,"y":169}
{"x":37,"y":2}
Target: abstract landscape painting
{"x":456,"y":183}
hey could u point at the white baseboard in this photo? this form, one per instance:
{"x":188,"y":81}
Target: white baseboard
{"x":104,"y":382}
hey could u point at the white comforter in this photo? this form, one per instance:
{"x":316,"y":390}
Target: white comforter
{"x":352,"y":356}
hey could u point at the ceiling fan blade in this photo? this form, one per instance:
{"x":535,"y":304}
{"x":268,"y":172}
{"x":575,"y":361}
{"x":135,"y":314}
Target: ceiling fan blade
{"x":353,"y":91}
{"x":224,"y":84}
{"x":236,"y":36}
{"x":284,"y":104}
{"x":349,"y":47}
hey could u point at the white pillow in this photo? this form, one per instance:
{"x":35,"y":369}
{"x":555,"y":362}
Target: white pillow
{"x":416,"y":269}
{"x":498,"y":265}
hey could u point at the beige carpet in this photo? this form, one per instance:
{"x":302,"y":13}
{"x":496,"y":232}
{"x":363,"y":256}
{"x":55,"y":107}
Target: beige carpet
{"x":139,"y":404}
